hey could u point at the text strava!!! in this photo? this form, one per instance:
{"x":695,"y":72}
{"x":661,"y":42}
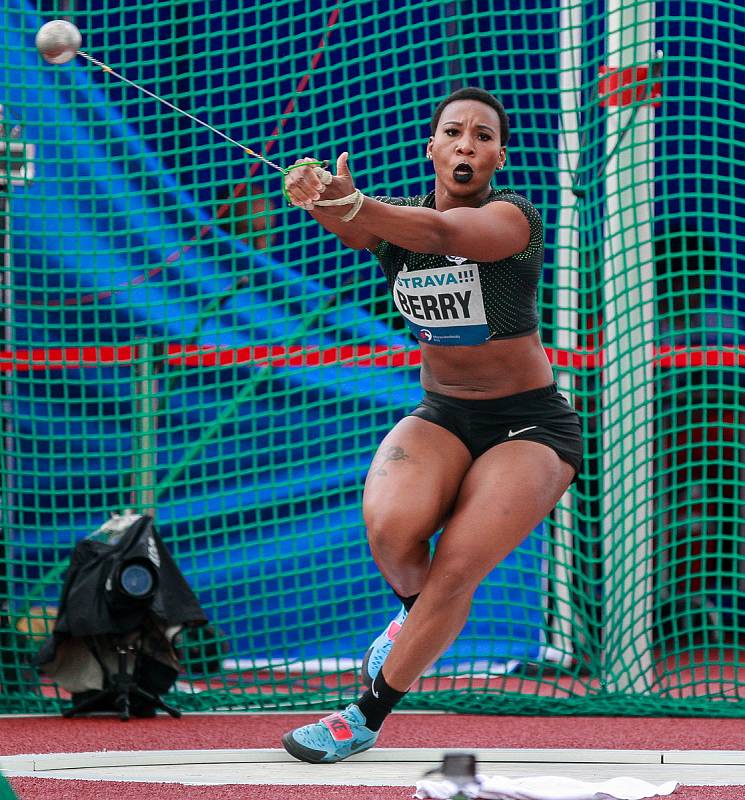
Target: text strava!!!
{"x":444,"y":305}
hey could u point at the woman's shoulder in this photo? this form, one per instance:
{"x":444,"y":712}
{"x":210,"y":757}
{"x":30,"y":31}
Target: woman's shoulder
{"x":515,"y":198}
{"x":534,"y":251}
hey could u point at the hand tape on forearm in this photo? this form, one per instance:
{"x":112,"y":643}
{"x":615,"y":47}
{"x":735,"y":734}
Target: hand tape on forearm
{"x":356,"y":199}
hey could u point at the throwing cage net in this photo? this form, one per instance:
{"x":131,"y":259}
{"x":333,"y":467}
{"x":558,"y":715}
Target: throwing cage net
{"x":6,"y":793}
{"x":180,"y":342}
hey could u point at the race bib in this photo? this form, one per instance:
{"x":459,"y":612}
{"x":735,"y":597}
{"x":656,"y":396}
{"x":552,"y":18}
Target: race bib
{"x":444,"y":305}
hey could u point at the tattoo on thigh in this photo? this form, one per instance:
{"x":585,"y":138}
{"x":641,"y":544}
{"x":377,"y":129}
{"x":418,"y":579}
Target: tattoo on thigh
{"x":392,"y":453}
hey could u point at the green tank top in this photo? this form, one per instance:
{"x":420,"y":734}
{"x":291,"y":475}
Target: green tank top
{"x":449,"y":300}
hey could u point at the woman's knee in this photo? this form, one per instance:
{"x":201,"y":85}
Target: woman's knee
{"x":391,"y":532}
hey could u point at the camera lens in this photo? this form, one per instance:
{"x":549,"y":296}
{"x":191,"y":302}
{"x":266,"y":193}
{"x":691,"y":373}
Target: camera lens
{"x":136,"y":581}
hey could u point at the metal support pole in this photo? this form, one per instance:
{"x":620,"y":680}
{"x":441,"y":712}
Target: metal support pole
{"x":567,"y":322}
{"x":628,"y":401}
{"x":16,"y":169}
{"x":148,"y":361}
{"x":7,"y":467}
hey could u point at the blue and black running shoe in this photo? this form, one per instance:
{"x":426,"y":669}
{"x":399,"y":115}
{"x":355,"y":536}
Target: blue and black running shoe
{"x":331,"y":739}
{"x":378,"y":651}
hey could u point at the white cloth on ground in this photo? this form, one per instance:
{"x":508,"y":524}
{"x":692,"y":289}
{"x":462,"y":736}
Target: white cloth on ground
{"x":496,"y":787}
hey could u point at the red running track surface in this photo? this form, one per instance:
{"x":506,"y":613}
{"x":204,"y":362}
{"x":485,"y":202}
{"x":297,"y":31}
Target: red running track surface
{"x":224,"y":731}
{"x":201,"y":731}
{"x":30,"y":789}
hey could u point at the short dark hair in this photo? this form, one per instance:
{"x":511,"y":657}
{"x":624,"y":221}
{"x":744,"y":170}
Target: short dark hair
{"x":474,"y":93}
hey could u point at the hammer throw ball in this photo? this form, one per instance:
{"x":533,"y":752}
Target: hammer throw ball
{"x":58,"y":41}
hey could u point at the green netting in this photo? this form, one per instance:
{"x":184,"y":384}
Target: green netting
{"x":6,"y":793}
{"x":178,"y":341}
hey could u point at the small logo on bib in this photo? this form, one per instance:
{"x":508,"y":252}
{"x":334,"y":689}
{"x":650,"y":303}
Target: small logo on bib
{"x":456,"y":259}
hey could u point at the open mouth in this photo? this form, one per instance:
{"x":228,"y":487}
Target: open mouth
{"x":463,"y":172}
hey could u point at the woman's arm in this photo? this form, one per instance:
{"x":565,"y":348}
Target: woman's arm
{"x":304,"y":186}
{"x":490,"y":233}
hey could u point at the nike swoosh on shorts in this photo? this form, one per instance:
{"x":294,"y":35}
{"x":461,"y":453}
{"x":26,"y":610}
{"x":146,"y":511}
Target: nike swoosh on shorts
{"x":522,"y":430}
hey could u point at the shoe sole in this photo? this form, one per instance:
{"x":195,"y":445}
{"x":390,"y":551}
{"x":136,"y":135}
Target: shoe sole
{"x":301,"y":752}
{"x":310,"y":756}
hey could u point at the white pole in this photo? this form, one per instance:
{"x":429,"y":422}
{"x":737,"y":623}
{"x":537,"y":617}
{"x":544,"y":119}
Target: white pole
{"x":567,"y":323}
{"x":628,"y":372}
{"x":16,"y":169}
{"x":145,"y":427}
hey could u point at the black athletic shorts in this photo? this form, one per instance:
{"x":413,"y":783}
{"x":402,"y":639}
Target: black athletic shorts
{"x":542,"y":415}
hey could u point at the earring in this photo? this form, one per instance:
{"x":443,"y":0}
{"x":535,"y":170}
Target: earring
{"x":429,"y":156}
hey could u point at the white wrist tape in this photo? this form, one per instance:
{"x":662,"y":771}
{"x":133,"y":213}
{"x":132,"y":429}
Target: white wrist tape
{"x":324,"y":176}
{"x":356,"y":199}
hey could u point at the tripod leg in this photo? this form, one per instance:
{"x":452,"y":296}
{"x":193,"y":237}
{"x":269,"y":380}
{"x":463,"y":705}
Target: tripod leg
{"x":174,"y":712}
{"x":143,"y":694}
{"x":97,"y":700}
{"x":122,"y":703}
{"x":124,"y":685}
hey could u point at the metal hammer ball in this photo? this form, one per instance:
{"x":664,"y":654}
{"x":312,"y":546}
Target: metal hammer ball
{"x":58,"y":41}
